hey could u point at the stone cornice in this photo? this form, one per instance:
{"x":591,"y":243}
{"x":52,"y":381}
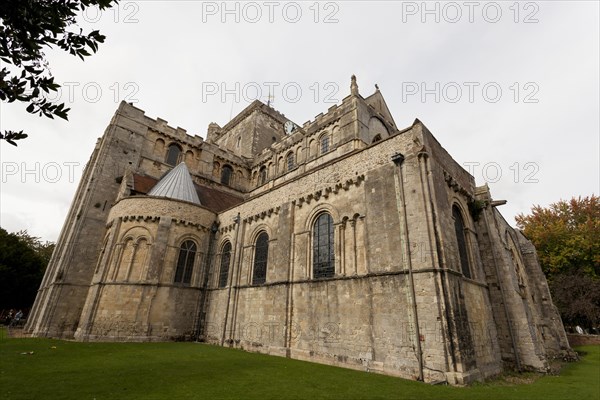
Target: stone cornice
{"x":454,"y":185}
{"x":180,"y":140}
{"x":262,"y":215}
{"x":327,"y":191}
{"x":156,"y":219}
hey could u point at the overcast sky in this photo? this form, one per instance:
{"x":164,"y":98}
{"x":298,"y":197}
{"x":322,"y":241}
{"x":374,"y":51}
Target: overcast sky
{"x":511,"y":90}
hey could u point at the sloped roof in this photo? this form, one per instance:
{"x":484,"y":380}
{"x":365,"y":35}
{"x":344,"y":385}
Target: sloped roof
{"x":377,"y":101}
{"x":211,"y":198}
{"x":177,"y":184}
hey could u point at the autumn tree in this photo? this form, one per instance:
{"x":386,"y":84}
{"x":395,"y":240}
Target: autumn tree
{"x":27,"y":29}
{"x":567,"y":238}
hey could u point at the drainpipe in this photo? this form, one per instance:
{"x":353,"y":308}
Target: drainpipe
{"x":398,"y":159}
{"x":199,"y":328}
{"x":230,"y":277}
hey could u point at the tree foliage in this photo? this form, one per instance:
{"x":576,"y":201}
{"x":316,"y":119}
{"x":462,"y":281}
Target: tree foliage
{"x":567,"y":238}
{"x":43,"y":249}
{"x":27,"y":28}
{"x":566,"y":235}
{"x":23,"y":260}
{"x":577,"y":297}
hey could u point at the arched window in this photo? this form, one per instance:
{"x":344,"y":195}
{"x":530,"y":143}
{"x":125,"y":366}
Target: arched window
{"x":185,"y":262}
{"x":226,"y":174}
{"x":324,"y":144}
{"x":173,"y":154}
{"x":261,"y":254}
{"x":289,"y":160}
{"x":225,"y":259}
{"x":262,"y":175}
{"x":323,"y":249}
{"x":377,"y":138}
{"x":459,"y":229}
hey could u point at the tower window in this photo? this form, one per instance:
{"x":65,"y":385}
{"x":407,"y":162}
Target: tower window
{"x":323,"y":247}
{"x":289,"y":160}
{"x":324,"y":144}
{"x":262,"y":176}
{"x":173,"y":154}
{"x":226,"y":175}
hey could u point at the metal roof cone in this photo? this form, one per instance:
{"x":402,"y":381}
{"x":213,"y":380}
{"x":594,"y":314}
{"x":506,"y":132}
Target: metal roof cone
{"x":177,"y":184}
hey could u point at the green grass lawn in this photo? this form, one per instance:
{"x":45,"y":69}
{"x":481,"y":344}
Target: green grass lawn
{"x":72,"y":370}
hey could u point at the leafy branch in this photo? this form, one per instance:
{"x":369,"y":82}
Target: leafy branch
{"x":27,"y":27}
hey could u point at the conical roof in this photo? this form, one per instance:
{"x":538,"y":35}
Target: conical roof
{"x":177,"y":184}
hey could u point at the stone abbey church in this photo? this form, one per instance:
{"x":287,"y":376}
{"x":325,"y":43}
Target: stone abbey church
{"x":346,"y":241}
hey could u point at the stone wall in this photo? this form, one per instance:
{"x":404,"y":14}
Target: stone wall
{"x":406,"y":297}
{"x":373,"y":206}
{"x":134,"y":295}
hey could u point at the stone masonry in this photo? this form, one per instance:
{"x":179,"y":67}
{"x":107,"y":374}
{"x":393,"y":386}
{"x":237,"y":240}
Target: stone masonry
{"x":345,"y":241}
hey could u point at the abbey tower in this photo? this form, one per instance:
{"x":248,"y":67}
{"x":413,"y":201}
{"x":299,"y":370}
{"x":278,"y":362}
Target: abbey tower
{"x":345,"y":240}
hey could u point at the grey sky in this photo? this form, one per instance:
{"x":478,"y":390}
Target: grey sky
{"x":534,"y":142}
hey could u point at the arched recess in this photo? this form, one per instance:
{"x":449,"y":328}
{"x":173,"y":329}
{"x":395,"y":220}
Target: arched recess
{"x":139,"y":264}
{"x":312,"y":148}
{"x":377,"y":127}
{"x":299,"y":154}
{"x":335,"y":135}
{"x":127,"y":253}
{"x":159,"y":147}
{"x":462,"y":242}
{"x":134,"y":255}
{"x":262,"y":175}
{"x":190,"y":160}
{"x":103,"y":251}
